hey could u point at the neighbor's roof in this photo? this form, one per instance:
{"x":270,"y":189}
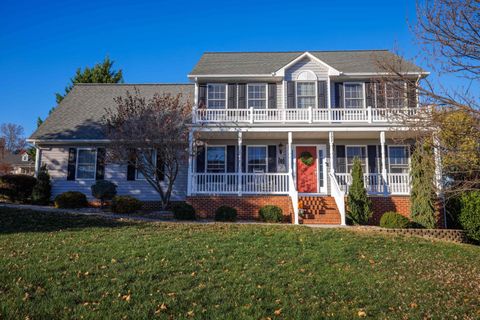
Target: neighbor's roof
{"x":265,"y":63}
{"x":79,"y":115}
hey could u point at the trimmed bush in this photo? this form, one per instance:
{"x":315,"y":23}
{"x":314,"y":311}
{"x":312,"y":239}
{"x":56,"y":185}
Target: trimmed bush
{"x":43,"y":189}
{"x":393,"y":219}
{"x":183,"y":211}
{"x":359,"y":205}
{"x":470,"y":214}
{"x":104,"y":190}
{"x":271,"y":213}
{"x":71,"y":199}
{"x":226,"y":213}
{"x":17,"y":187}
{"x":125,"y":204}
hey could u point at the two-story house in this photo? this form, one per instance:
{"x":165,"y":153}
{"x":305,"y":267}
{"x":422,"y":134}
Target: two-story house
{"x":277,"y":128}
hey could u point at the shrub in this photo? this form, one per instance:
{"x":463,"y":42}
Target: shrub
{"x":225,"y":213}
{"x":271,"y":213}
{"x":183,"y":211}
{"x":104,"y":190}
{"x":17,"y":187}
{"x":42,"y":190}
{"x":393,"y":219}
{"x":71,"y":199}
{"x":470,"y":214}
{"x":125,"y":204}
{"x":359,"y":210}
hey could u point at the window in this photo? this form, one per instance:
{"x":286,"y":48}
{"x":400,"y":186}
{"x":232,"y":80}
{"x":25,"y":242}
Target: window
{"x":356,"y":152}
{"x":217,"y":96}
{"x":86,"y":163}
{"x":216,"y":159}
{"x":257,"y":159}
{"x":257,"y":96}
{"x":306,"y":94}
{"x":143,"y":156}
{"x":353,"y":95}
{"x":25,"y":157}
{"x":394,"y":94}
{"x":398,"y":159}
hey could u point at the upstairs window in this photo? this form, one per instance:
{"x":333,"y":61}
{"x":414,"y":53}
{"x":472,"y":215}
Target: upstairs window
{"x":216,"y":159}
{"x":257,"y":159}
{"x":398,"y":159}
{"x":354,"y":97}
{"x":86,"y":164}
{"x":257,"y":96}
{"x":306,"y":94}
{"x":394,"y":94}
{"x":216,"y":96}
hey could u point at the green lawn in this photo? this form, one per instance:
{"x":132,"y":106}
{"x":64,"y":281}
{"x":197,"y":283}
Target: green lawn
{"x":54,"y":266}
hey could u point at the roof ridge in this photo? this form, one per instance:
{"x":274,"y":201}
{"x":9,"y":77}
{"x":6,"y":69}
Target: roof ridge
{"x":298,"y":51}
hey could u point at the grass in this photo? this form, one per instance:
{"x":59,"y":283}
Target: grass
{"x":59,"y":266}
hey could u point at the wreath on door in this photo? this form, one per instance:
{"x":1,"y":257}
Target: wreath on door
{"x":306,"y":158}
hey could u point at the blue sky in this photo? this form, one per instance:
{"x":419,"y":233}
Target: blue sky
{"x":42,"y":43}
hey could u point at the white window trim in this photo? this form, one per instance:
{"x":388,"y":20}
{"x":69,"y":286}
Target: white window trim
{"x":407,"y":147}
{"x":226,"y":95}
{"x":154,"y":162}
{"x":366,"y":156}
{"x":206,"y":157}
{"x":266,"y":156}
{"x":95,"y":164}
{"x":316,"y":91}
{"x":363,"y":92}
{"x":266,"y":94}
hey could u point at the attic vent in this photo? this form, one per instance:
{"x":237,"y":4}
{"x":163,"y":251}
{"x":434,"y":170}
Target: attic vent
{"x":307,"y":75}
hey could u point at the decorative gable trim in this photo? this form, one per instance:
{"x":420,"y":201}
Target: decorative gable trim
{"x":331,"y":71}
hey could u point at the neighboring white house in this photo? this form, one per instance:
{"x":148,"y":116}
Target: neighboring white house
{"x":277,"y":128}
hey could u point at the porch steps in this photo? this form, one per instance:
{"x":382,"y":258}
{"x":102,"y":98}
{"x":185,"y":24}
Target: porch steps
{"x":319,"y":210}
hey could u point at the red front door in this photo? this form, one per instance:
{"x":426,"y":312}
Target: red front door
{"x":307,"y":173}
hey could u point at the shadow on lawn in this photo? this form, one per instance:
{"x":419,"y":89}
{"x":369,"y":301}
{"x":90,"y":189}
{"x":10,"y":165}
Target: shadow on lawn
{"x":24,"y":220}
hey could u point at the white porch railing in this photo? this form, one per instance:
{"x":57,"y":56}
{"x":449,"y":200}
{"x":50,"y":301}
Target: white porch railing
{"x":339,"y":197}
{"x":251,"y":183}
{"x":397,"y":183}
{"x":307,"y":115}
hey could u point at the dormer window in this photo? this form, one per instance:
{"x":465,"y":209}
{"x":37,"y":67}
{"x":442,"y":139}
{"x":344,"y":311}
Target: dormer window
{"x":354,"y":96}
{"x":257,"y":96}
{"x":306,"y":94}
{"x":217,"y":96}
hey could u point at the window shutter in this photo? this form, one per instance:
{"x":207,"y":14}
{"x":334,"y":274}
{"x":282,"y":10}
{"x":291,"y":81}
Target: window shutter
{"x":131,"y":165}
{"x":244,"y":158}
{"x":370,"y":94}
{"x":412,"y":95}
{"x":241,"y":96}
{"x":200,"y":159}
{"x":100,"y":164}
{"x":230,"y":158}
{"x":339,"y":95}
{"x":372,"y":159}
{"x":290,"y":94}
{"x":72,"y":163}
{"x":160,"y":167}
{"x":272,"y":158}
{"x":232,"y":96}
{"x":341,"y":159}
{"x":202,"y":96}
{"x":322,"y":94}
{"x":272,"y":95}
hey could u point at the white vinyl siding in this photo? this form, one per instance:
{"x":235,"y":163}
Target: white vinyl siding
{"x":217,"y":96}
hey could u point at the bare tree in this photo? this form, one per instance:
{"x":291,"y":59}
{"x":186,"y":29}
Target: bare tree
{"x":12,"y":136}
{"x":151,"y":136}
{"x":448,"y":35}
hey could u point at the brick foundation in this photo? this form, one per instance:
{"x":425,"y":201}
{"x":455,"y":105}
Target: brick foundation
{"x":380,"y":205}
{"x":247,"y":206}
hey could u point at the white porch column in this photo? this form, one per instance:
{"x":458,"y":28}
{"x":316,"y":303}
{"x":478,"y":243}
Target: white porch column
{"x":190,"y":163}
{"x":290,"y":153}
{"x":292,"y":190}
{"x":38,"y":160}
{"x":239,"y":166}
{"x":330,"y":140}
{"x":384,"y":165}
{"x":438,"y":165}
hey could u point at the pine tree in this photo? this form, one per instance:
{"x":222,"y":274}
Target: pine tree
{"x":42,"y":190}
{"x":359,"y":206}
{"x":422,"y":174}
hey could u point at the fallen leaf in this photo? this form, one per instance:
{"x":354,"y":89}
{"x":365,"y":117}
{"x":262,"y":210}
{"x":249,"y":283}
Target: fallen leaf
{"x":278,"y":312}
{"x":362,"y":314}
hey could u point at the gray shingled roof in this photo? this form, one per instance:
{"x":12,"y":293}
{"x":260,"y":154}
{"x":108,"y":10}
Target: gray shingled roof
{"x":233,"y":63}
{"x":79,"y":115}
